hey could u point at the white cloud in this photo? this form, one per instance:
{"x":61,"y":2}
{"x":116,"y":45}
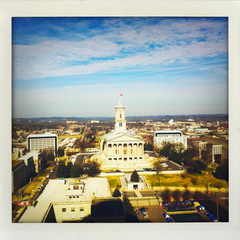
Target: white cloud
{"x":127,"y":45}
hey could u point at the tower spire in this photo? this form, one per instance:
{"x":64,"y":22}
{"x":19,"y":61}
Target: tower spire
{"x":120,"y":121}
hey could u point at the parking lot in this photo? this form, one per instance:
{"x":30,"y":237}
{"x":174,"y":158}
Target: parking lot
{"x":154,"y":214}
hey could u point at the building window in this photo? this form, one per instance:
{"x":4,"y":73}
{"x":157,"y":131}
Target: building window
{"x":125,"y":159}
{"x":120,"y":159}
{"x":72,"y":209}
{"x":124,"y":151}
{"x":115,"y":159}
{"x":64,"y":209}
{"x":120,"y":124}
{"x":81,"y":209}
{"x":109,"y":158}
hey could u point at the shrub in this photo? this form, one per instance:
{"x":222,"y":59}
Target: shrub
{"x":134,"y":177}
{"x":116,"y":193}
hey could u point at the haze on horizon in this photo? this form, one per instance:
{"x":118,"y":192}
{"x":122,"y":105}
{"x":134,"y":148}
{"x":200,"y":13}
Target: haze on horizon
{"x":77,"y":67}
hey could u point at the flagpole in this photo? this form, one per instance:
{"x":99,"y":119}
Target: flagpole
{"x":120,"y":98}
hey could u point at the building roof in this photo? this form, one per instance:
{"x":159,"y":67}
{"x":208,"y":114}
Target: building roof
{"x":28,"y":155}
{"x":55,"y":192}
{"x":169,"y":131}
{"x":16,"y":162}
{"x":116,"y":135}
{"x":41,"y":135}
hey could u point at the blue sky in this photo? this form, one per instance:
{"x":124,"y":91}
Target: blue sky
{"x":78,"y":66}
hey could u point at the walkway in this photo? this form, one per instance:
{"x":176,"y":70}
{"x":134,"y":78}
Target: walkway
{"x":138,"y":194}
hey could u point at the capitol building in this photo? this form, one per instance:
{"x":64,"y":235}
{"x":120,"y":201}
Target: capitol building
{"x":122,"y":149}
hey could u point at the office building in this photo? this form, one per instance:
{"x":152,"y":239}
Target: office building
{"x":42,"y":141}
{"x":173,"y":136}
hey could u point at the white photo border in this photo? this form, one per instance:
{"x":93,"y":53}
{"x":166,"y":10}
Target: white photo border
{"x":9,"y":9}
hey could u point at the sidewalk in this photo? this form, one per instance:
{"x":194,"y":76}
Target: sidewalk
{"x":191,"y":189}
{"x":138,"y":194}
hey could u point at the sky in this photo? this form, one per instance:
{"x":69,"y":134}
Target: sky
{"x":78,"y":67}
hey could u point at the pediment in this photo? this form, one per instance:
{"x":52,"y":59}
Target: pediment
{"x":125,"y":138}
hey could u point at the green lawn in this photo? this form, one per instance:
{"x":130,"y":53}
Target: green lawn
{"x":186,"y":180}
{"x":114,"y":181}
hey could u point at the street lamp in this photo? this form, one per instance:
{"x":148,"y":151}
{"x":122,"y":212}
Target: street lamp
{"x":159,"y":183}
{"x":208,"y":184}
{"x":217,"y":205}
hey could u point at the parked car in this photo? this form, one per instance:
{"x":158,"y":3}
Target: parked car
{"x":144,"y":211}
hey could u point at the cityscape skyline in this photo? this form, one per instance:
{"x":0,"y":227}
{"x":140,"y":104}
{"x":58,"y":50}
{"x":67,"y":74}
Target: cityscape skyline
{"x":78,"y":67}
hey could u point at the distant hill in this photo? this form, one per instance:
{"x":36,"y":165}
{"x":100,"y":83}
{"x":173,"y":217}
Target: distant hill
{"x":161,"y":118}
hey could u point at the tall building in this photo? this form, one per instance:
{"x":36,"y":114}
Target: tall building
{"x":173,"y":136}
{"x":42,"y":141}
{"x":121,"y":148}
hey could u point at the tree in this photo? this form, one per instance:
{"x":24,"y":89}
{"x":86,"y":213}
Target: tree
{"x":194,"y":181}
{"x":129,"y":210}
{"x":47,"y":156}
{"x":91,"y":168}
{"x":63,"y":171}
{"x":116,"y":193}
{"x":199,"y":166}
{"x":177,"y":196}
{"x":158,"y":166}
{"x":134,"y":177}
{"x":195,"y":166}
{"x":60,"y":152}
{"x":189,"y":154}
{"x":173,"y":151}
{"x":148,"y":147}
{"x":76,"y":170}
{"x":187,"y":195}
{"x":168,"y":148}
{"x":166,"y":195}
{"x":222,"y":172}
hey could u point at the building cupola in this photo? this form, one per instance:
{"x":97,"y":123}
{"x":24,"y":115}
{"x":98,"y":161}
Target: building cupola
{"x":120,"y":121}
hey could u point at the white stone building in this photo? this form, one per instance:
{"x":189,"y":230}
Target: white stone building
{"x":121,"y":149}
{"x":172,"y":136}
{"x":69,"y":200}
